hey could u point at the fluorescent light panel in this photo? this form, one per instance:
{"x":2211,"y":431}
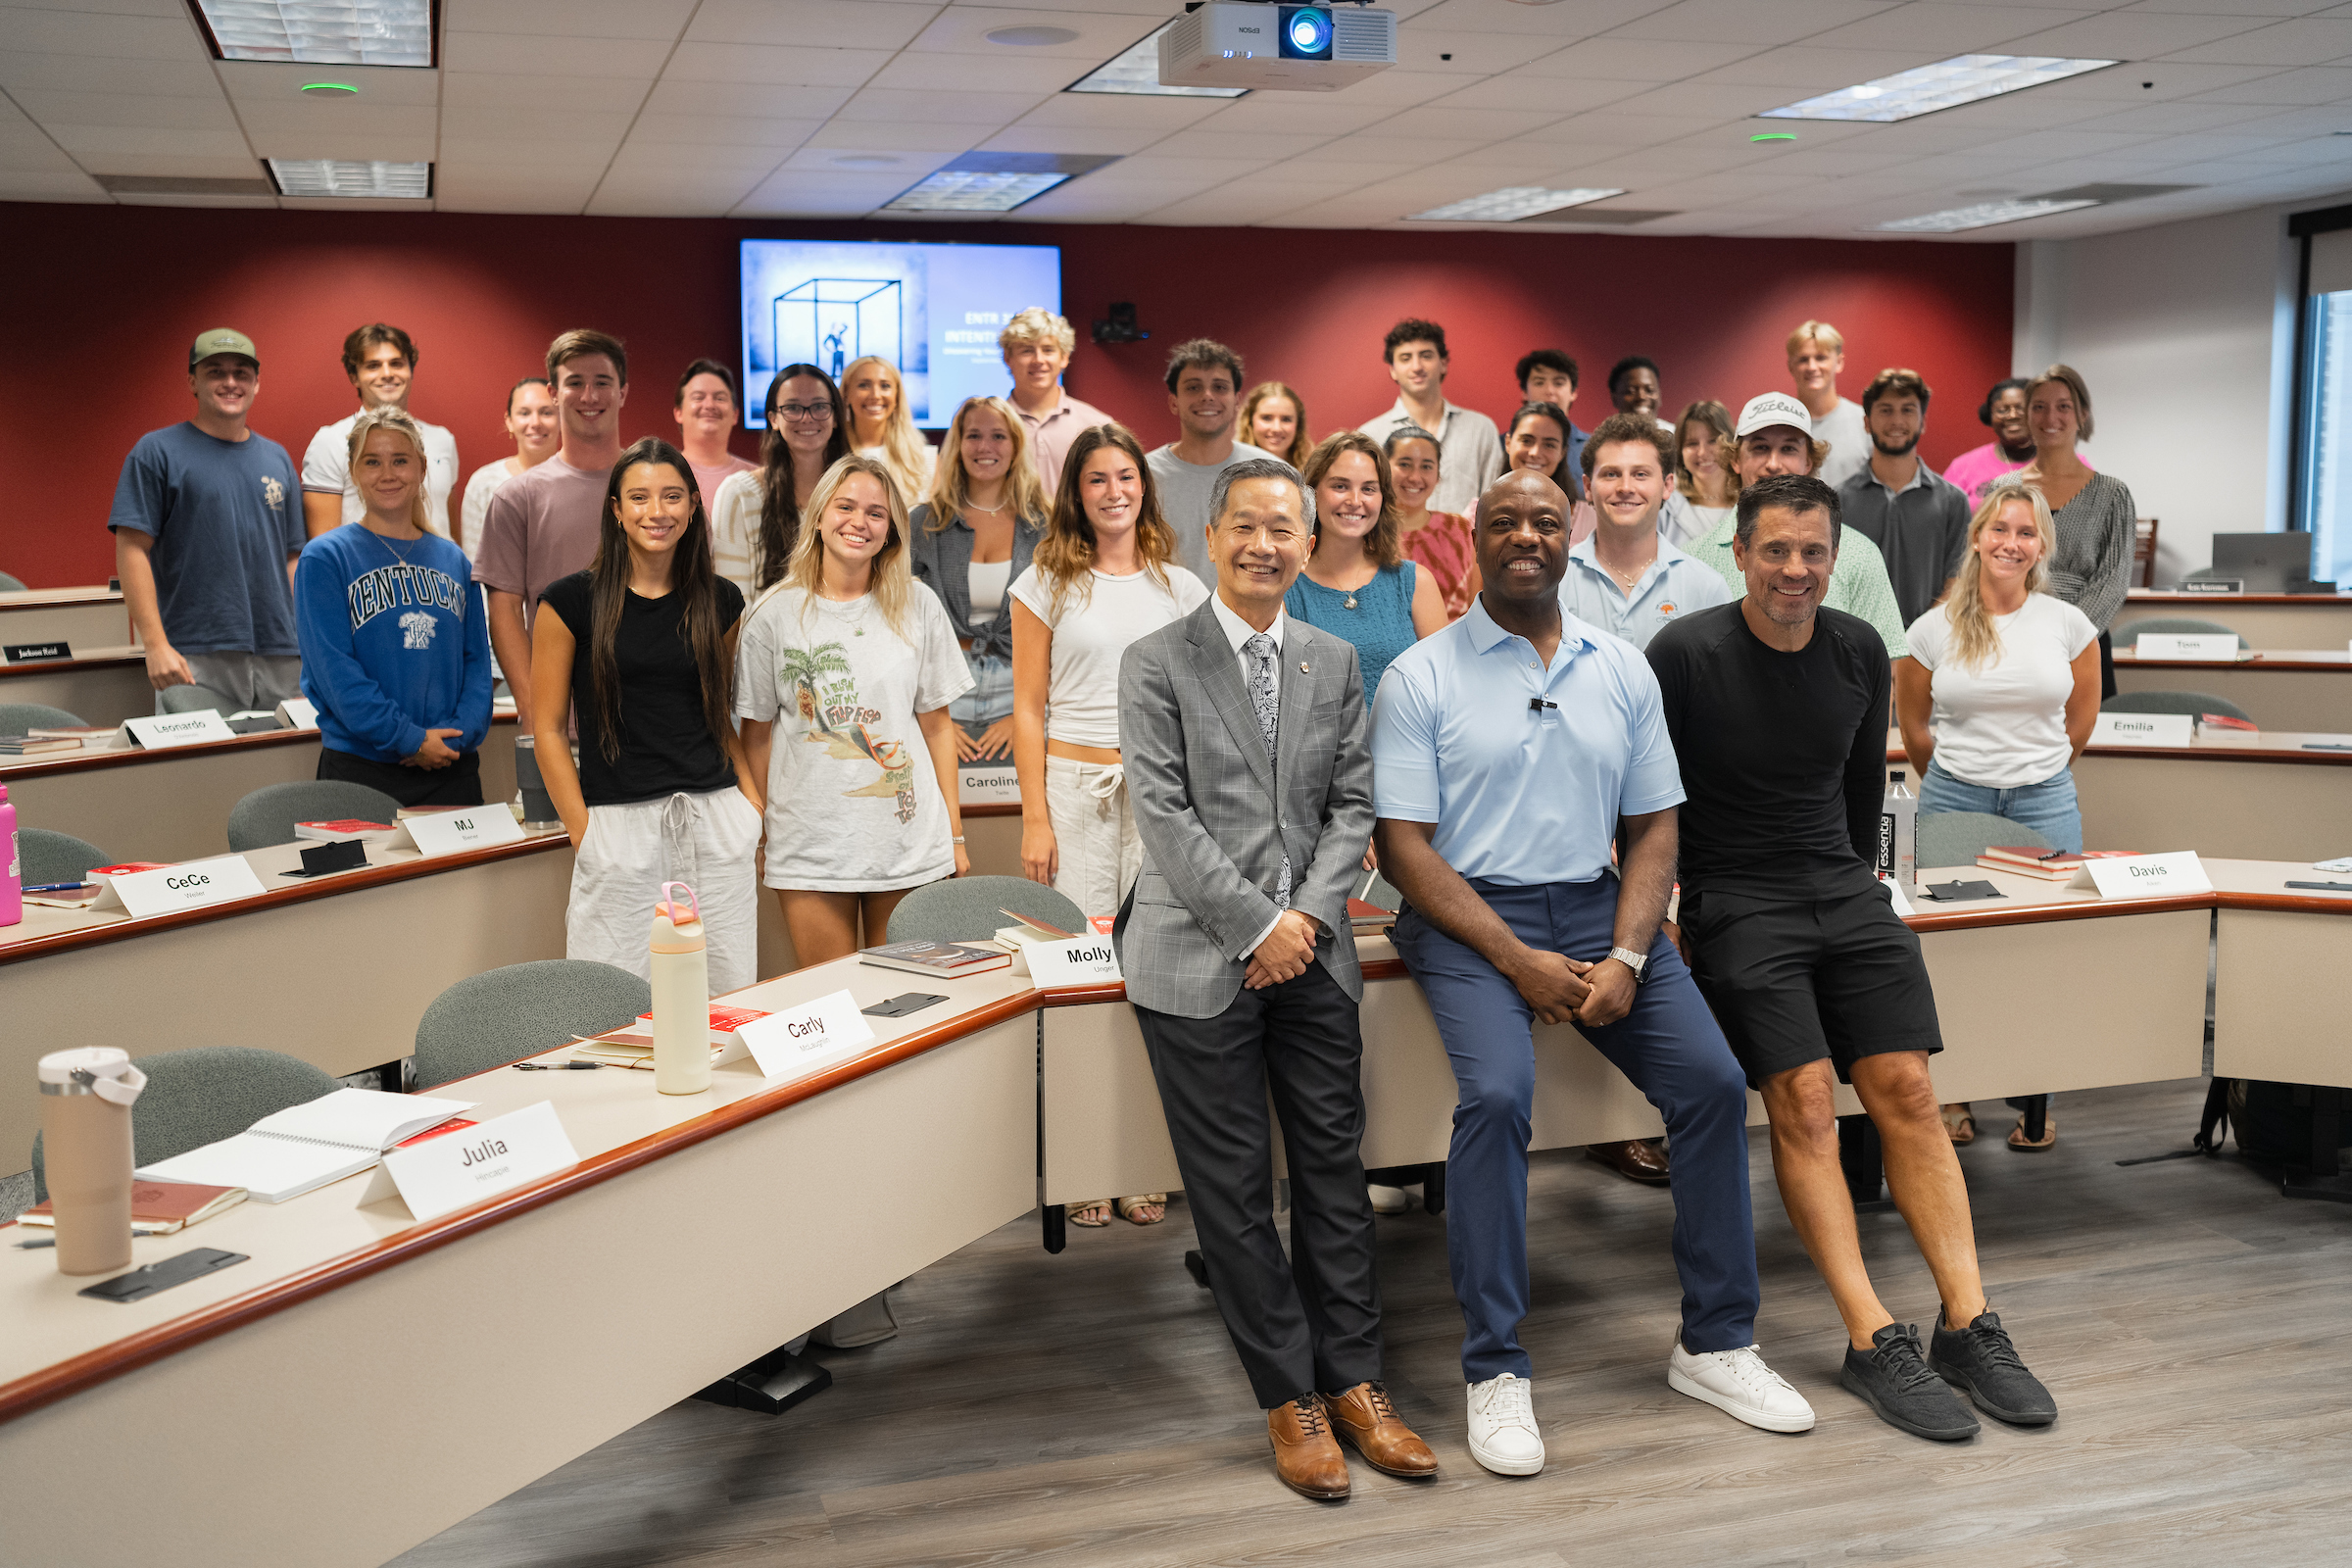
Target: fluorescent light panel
{"x":1136,"y":71}
{"x":1982,"y":216}
{"x":352,"y":32}
{"x":1510,"y":204}
{"x":993,"y":182}
{"x":337,"y":176}
{"x":1945,"y":84}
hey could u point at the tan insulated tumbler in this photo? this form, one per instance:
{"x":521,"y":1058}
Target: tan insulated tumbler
{"x":86,"y":1096}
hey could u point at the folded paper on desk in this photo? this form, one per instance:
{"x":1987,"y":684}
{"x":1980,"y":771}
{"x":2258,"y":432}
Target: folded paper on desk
{"x":298,"y":1149}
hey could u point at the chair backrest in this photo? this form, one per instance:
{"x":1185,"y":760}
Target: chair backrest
{"x":2190,"y":703}
{"x":2143,"y":552}
{"x":48,"y":855}
{"x":18,"y":717}
{"x":966,"y":908}
{"x":2179,"y":625}
{"x":267,"y":816}
{"x":488,"y":1020}
{"x":1957,"y":838}
{"x":10,"y":585}
{"x":184,"y":699}
{"x":204,"y":1094}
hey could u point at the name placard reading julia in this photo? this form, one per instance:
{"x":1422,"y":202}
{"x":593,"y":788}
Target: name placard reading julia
{"x":1079,"y":961}
{"x":2144,"y":876}
{"x":192,"y":885}
{"x":155,"y":731}
{"x":444,"y":1174}
{"x":475,"y":828}
{"x":799,"y":1039}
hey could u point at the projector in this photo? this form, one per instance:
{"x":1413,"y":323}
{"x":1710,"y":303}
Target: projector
{"x":1304,"y":48}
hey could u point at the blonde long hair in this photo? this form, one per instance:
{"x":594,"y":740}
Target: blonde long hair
{"x":902,"y":449}
{"x":951,"y":486}
{"x":1065,"y":554}
{"x":1976,"y":641}
{"x":893,"y":582}
{"x":1302,"y":443}
{"x":399,"y":423}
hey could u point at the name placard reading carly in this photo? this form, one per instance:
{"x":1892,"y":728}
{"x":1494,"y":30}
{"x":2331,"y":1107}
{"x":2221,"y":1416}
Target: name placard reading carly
{"x":447,"y":1173}
{"x":473,"y":828}
{"x":2145,"y":876}
{"x":795,"y":1040}
{"x":191,"y":885}
{"x":1079,"y":961}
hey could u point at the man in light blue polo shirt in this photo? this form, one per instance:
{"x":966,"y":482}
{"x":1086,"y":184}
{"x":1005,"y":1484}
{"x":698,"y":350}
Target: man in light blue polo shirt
{"x":1624,"y":576}
{"x":1509,"y":751}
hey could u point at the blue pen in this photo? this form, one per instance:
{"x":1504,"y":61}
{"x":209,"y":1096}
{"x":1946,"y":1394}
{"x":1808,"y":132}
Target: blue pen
{"x":55,"y":887}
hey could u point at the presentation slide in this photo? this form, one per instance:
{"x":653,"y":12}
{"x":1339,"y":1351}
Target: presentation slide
{"x":933,"y":311}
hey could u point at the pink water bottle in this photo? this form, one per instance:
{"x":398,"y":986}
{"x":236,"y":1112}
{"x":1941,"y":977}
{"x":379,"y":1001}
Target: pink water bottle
{"x":11,"y":888}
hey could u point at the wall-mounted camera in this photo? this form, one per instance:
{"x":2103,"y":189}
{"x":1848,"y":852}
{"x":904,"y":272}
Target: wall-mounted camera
{"x":1120,"y":327}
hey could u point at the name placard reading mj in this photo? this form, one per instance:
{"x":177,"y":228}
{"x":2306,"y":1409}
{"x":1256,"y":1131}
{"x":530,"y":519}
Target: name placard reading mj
{"x":473,"y":828}
{"x":797,"y":1040}
{"x":444,"y":1174}
{"x":2144,"y":876}
{"x":1079,"y":961}
{"x":192,"y":885}
{"x":155,"y":731}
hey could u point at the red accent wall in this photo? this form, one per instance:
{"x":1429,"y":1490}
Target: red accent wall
{"x":104,"y":301}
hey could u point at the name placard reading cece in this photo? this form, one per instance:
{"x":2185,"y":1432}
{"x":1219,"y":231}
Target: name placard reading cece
{"x":799,"y":1039}
{"x":192,"y":885}
{"x":1079,"y":961}
{"x":444,"y":1174}
{"x":2146,"y":876}
{"x":448,"y":832}
{"x":154,"y":731}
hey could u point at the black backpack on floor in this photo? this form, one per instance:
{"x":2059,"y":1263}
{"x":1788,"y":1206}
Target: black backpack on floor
{"x":2270,"y":1121}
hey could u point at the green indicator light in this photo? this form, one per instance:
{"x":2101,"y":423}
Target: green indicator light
{"x":329,"y":87}
{"x":1775,"y":135}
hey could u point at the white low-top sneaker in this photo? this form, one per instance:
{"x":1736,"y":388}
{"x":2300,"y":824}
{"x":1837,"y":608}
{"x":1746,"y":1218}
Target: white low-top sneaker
{"x":1502,"y":1425}
{"x":1387,"y":1199}
{"x":1739,"y":1383}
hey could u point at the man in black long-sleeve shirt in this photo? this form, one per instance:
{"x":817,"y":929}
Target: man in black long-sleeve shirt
{"x":1778,"y":709}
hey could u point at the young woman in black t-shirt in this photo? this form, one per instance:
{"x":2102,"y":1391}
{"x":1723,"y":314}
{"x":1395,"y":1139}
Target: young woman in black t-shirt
{"x":639,"y":651}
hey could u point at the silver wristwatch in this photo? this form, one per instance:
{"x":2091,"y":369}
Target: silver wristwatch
{"x":1638,"y":962}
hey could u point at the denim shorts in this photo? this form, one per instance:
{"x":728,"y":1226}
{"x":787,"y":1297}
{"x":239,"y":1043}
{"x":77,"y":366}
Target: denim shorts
{"x":991,"y":698}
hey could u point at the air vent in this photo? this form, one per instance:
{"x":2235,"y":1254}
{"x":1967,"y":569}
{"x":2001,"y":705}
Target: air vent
{"x":1364,"y":35}
{"x":181,"y":185}
{"x":2109,"y":193}
{"x":1579,"y":216}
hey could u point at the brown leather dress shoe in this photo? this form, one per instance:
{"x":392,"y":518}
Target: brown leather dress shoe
{"x":1368,"y":1423}
{"x":1636,"y":1159}
{"x":1305,"y":1455}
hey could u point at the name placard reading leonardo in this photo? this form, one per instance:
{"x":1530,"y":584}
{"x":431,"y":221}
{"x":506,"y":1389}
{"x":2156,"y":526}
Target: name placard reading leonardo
{"x":443,"y":1174}
{"x":192,"y":885}
{"x":157,"y":730}
{"x":794,"y":1041}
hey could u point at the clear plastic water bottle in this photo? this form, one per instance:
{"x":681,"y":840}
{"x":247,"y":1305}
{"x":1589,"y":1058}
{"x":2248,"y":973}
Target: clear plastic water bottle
{"x":11,"y":886}
{"x":1898,"y":833}
{"x":681,"y":980}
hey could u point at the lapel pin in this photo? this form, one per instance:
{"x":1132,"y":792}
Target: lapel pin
{"x":1303,"y":671}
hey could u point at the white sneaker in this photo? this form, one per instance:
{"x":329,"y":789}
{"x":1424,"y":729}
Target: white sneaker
{"x":1739,"y":1383}
{"x":1387,"y":1199}
{"x":1502,"y":1425}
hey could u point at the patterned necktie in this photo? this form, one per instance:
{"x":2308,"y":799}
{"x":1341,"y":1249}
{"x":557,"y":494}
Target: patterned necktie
{"x":1263,"y":696}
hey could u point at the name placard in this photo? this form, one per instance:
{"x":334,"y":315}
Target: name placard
{"x":2212,"y":587}
{"x":192,"y":885}
{"x":980,"y":784}
{"x":2143,"y":729}
{"x":36,"y":653}
{"x":155,"y":731}
{"x":2220,"y":648}
{"x":475,"y":828}
{"x":298,"y":713}
{"x":799,"y":1039}
{"x":2143,"y":876}
{"x":1079,"y":961}
{"x":444,"y":1174}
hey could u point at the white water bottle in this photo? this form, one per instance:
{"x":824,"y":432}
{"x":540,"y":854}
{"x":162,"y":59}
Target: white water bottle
{"x":681,"y":976}
{"x":1898,"y":833}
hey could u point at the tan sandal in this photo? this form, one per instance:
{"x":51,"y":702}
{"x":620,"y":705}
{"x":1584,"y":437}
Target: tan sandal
{"x":1959,"y":1123}
{"x":2049,"y":1135}
{"x":1129,"y":1208}
{"x":1093,"y":1213}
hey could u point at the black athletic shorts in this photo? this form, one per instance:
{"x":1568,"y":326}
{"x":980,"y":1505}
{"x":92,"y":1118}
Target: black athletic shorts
{"x":1794,"y":980}
{"x":457,"y":784}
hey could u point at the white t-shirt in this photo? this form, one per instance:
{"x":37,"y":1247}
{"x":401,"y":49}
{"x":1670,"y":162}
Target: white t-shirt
{"x":734,"y":513}
{"x":986,"y":582}
{"x":1091,"y":633}
{"x":2005,"y":726}
{"x":326,"y":468}
{"x":853,"y":803}
{"x":1850,"y":443}
{"x":476,"y":507}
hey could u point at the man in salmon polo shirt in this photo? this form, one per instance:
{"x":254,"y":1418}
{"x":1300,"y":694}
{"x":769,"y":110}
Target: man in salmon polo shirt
{"x":1037,"y":345}
{"x":544,"y":521}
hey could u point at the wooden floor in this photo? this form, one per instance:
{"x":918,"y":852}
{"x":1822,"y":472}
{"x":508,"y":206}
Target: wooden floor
{"x":1087,"y":1409}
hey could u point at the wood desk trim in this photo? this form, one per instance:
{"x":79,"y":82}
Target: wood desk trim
{"x":114,"y":658}
{"x":2169,"y":596}
{"x":1896,"y":757}
{"x":2341,"y":665}
{"x":994,"y":808}
{"x":52,"y":598}
{"x":50,"y":763}
{"x":300,"y":893}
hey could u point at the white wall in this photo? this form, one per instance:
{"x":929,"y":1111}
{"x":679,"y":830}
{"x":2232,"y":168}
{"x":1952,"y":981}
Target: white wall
{"x":2185,"y":334}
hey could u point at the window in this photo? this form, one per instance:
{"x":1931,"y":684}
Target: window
{"x":2322,"y":495}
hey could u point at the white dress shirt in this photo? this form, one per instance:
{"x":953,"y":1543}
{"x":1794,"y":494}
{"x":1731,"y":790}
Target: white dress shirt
{"x":1236,"y":632}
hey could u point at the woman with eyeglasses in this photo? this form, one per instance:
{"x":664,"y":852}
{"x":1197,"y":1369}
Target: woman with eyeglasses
{"x":755,"y":516}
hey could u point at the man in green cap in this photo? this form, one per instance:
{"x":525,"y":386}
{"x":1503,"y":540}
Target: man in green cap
{"x":207,"y":522}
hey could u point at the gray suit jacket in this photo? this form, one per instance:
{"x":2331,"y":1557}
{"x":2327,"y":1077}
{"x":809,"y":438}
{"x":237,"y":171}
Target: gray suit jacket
{"x":1215,"y":819}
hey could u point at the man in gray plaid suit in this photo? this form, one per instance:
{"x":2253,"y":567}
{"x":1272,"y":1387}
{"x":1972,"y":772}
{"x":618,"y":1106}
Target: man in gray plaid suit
{"x":1244,"y":738}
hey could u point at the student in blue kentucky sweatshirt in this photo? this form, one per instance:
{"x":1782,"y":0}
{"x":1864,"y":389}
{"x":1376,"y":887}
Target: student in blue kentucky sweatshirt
{"x":394,"y":644}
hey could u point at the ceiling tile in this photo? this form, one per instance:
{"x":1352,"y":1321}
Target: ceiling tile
{"x":934,"y":72}
{"x":35,"y":186}
{"x":2319,"y":85}
{"x":746,"y":166}
{"x":2125,"y":36}
{"x":552,"y":153}
{"x":570,"y":19}
{"x":809,"y":24}
{"x":1122,"y":112}
{"x":1551,"y":95}
{"x":815,"y":67}
{"x":28,"y":152}
{"x":965,"y":28}
{"x":1805,"y":70}
{"x":624,"y":59}
{"x":990,"y":109}
{"x":265,"y":82}
{"x":1741,"y":21}
{"x":1444,"y":51}
{"x":1028,"y":137}
{"x":759,"y":100}
{"x":26,"y":69}
{"x":416,"y":149}
{"x":897,"y":136}
{"x":1945,"y":29}
{"x":351,"y":122}
{"x":1543,"y":19}
{"x":200,"y":156}
{"x":560,"y":99}
{"x":126,"y":110}
{"x":2309,"y":41}
{"x":904,"y":166}
{"x":1243,"y":146}
{"x":654,"y":129}
{"x":1635,"y":59}
{"x":120,"y":37}
{"x":1459,"y":118}
{"x":601,"y":128}
{"x":1285,"y":114}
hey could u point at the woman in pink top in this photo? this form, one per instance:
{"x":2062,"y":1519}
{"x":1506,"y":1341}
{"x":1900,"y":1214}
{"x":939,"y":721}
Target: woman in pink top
{"x":2010,"y":449}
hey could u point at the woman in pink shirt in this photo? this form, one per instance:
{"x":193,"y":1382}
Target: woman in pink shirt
{"x":2010,"y":449}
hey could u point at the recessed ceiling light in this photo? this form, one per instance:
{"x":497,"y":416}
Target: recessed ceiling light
{"x":1982,"y":216}
{"x":993,"y":182}
{"x":1136,"y":71}
{"x":338,"y":177}
{"x":348,"y":32}
{"x":1032,"y":37}
{"x":1510,"y":204}
{"x":329,"y":89}
{"x":1945,"y":84}
{"x":865,"y":161}
{"x":1774,"y":135}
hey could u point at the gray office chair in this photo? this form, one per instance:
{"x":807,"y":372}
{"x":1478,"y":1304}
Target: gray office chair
{"x":1957,"y":838}
{"x":966,"y":909}
{"x":48,"y":855}
{"x":10,"y":585}
{"x":267,"y":816}
{"x":18,"y":717}
{"x":2175,"y":625}
{"x":184,"y":699}
{"x":204,"y":1094}
{"x":488,"y":1020}
{"x":2190,"y":703}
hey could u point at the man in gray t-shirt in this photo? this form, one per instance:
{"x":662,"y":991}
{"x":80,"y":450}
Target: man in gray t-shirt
{"x":1204,"y":393}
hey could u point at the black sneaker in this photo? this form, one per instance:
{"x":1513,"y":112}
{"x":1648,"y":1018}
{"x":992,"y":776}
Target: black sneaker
{"x":1981,"y":1359}
{"x":1897,"y":1381}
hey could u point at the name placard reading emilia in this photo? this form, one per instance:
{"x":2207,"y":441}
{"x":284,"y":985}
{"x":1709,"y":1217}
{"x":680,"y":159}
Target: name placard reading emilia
{"x":2143,"y":729}
{"x":793,"y":1041}
{"x":444,"y":1174}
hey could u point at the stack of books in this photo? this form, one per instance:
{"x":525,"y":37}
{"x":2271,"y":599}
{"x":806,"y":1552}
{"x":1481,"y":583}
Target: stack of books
{"x":2052,"y":865}
{"x":89,"y":737}
{"x":158,"y":1208}
{"x":36,"y":745}
{"x":349,"y":827}
{"x":634,"y":1047}
{"x":945,"y":960}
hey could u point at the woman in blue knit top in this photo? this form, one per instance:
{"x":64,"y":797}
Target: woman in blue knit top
{"x":394,"y":646}
{"x":1357,"y":583}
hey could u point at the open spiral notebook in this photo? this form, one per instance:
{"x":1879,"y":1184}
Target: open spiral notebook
{"x":305,"y":1147}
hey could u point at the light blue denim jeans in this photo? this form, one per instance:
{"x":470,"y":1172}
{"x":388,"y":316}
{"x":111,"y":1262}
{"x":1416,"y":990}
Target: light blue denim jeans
{"x":2048,"y":807}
